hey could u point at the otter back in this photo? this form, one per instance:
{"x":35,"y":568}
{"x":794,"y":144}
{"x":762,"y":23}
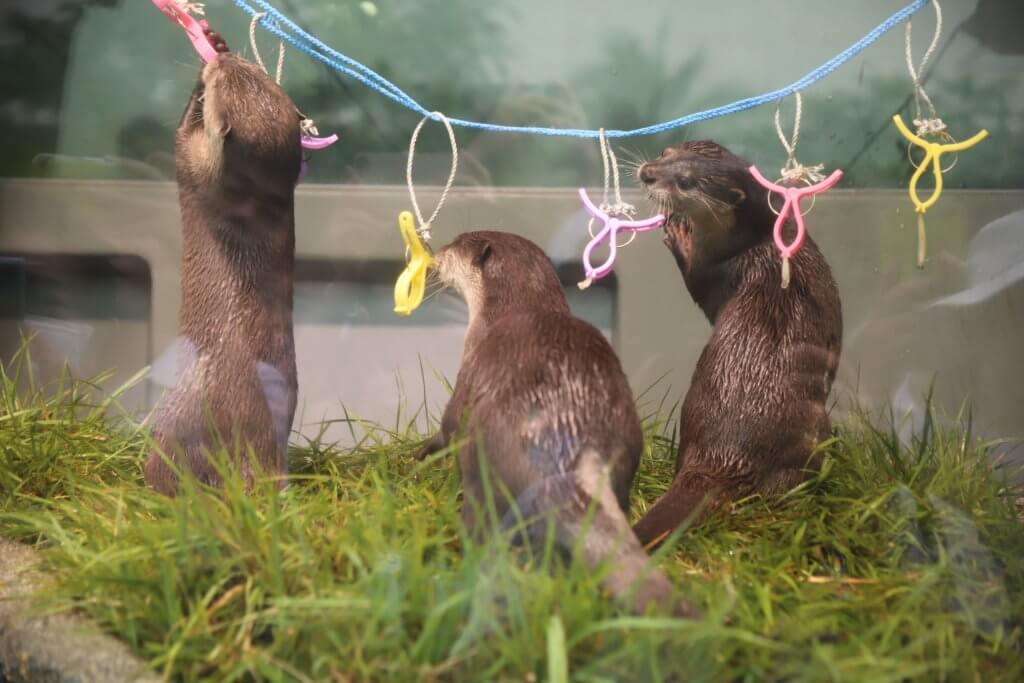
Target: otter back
{"x":548,"y":415}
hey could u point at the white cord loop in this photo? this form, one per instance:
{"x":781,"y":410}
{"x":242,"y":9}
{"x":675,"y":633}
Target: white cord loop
{"x":424,"y":225}
{"x":932,"y":124}
{"x":793,"y":170}
{"x":307,"y":126}
{"x":256,"y":50}
{"x":618,"y":207}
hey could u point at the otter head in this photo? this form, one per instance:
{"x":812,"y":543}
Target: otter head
{"x":713,"y":207}
{"x":238,"y":123}
{"x":497,"y":273}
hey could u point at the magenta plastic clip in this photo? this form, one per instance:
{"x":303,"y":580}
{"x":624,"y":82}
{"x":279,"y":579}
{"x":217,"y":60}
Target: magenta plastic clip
{"x":793,"y":195}
{"x":194,"y":29}
{"x":310,"y":142}
{"x":612,"y":226}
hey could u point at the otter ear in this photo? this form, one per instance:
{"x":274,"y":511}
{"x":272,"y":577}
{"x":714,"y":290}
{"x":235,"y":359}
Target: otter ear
{"x":739,"y":196}
{"x":482,"y":255}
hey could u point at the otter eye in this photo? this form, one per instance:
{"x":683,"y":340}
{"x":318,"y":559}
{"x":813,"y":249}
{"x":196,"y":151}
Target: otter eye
{"x":684,"y":182}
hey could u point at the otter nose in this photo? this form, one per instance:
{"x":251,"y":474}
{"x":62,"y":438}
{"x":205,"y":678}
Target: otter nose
{"x":646,"y":175}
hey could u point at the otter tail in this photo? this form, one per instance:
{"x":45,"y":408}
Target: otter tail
{"x":682,"y":502}
{"x":587,"y":514}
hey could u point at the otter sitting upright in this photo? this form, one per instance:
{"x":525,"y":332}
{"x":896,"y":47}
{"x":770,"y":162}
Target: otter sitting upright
{"x":542,"y":399}
{"x":756,"y":404}
{"x":238,"y":154}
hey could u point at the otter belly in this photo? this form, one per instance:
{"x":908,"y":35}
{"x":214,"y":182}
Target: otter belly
{"x":238,"y":405}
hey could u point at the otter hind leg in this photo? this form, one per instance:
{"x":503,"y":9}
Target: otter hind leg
{"x":159,"y":475}
{"x":589,"y":517}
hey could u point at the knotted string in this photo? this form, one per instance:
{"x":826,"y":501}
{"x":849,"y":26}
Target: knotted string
{"x":424,"y":225}
{"x":618,"y":208}
{"x":794,"y":173}
{"x":793,"y":170}
{"x":256,"y":50}
{"x":196,"y":8}
{"x":932,"y":125}
{"x":411,"y":283}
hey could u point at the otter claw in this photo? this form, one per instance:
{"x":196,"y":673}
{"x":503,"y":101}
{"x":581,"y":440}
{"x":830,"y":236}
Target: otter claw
{"x":431,"y":446}
{"x":216,"y":40}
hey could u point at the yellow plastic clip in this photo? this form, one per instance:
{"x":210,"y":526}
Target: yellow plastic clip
{"x":933,"y":152}
{"x":413,"y":280}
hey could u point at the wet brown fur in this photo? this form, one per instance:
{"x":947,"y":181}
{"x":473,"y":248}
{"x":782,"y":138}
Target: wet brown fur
{"x":238,"y":155}
{"x":757,"y":401}
{"x":542,"y":399}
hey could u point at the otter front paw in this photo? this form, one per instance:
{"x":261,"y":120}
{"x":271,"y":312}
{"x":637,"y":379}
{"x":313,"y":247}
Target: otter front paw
{"x":216,"y":40}
{"x":431,"y":446}
{"x":674,"y":234}
{"x":675,"y":238}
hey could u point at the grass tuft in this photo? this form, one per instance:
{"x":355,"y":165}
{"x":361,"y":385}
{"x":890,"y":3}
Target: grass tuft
{"x":899,"y":561}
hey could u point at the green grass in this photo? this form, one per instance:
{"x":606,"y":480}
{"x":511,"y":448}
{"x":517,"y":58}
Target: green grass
{"x":895,"y":563}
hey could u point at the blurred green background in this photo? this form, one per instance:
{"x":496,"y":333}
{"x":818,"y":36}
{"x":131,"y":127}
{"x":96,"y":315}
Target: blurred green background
{"x":94,"y":88}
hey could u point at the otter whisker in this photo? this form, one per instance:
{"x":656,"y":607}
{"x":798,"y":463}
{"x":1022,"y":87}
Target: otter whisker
{"x":632,"y":156}
{"x":704,"y":200}
{"x":633,"y":168}
{"x":433,"y":294}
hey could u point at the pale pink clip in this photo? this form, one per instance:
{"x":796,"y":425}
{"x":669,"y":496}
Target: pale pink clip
{"x":310,"y":142}
{"x":610,"y":231}
{"x":195,"y":30}
{"x":793,"y":195}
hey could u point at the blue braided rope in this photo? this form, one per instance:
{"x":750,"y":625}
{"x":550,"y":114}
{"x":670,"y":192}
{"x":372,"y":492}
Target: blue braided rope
{"x":284,"y":28}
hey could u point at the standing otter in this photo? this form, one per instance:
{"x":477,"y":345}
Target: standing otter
{"x":756,"y":404}
{"x":543,"y":395}
{"x":237,"y":155}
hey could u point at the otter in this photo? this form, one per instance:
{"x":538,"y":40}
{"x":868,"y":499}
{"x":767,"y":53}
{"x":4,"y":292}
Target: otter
{"x":549,"y":418}
{"x":756,"y":406}
{"x":238,"y":153}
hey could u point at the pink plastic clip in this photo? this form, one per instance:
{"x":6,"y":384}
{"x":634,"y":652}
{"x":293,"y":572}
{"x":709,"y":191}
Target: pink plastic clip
{"x":612,"y":226}
{"x":793,"y":195}
{"x":195,"y":30}
{"x":310,"y":142}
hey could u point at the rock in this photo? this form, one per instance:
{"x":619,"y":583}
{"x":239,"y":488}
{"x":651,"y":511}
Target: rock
{"x":58,"y":648}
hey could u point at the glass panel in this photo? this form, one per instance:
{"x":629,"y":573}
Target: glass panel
{"x":89,"y":313}
{"x":91,"y":260}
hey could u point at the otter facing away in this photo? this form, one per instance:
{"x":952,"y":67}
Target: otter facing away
{"x":543,"y":404}
{"x":756,"y":406}
{"x":238,"y":154}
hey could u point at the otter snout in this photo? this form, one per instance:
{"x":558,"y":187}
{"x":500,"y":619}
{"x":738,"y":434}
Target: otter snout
{"x":647,"y":175}
{"x":454,"y":272}
{"x":439,"y":266}
{"x":658,"y":176}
